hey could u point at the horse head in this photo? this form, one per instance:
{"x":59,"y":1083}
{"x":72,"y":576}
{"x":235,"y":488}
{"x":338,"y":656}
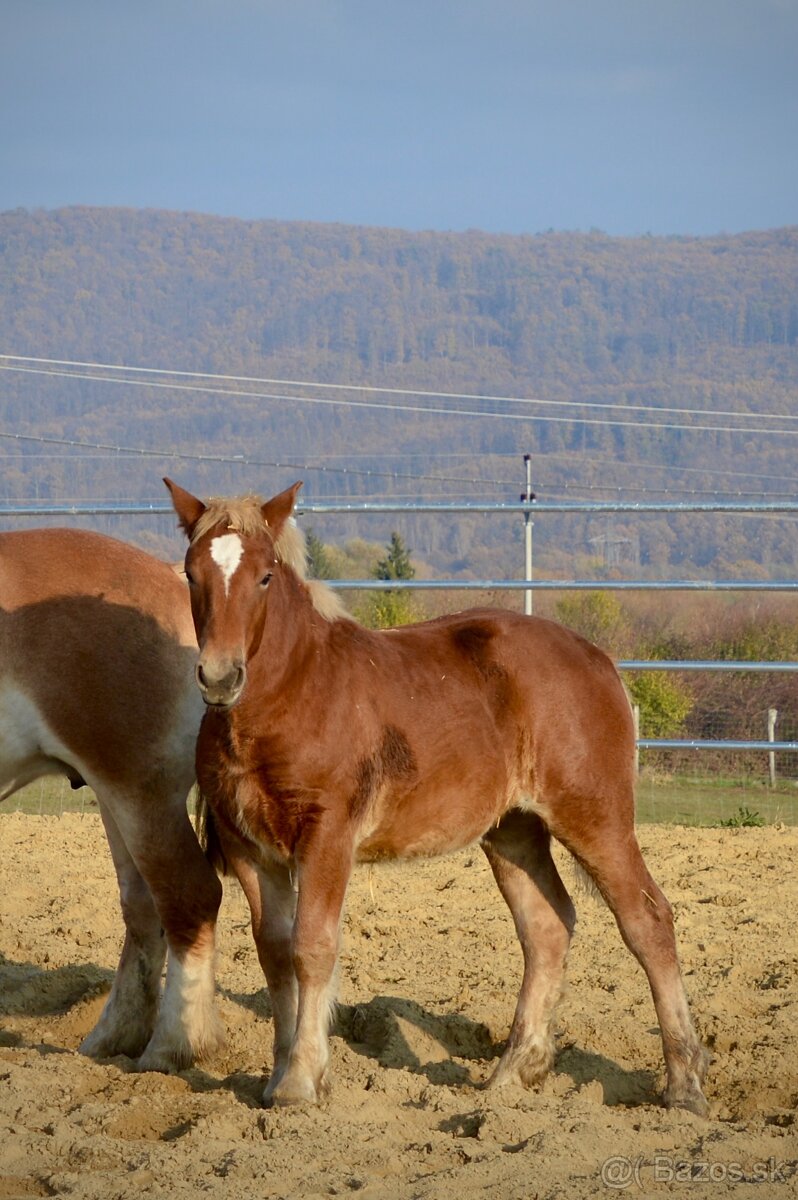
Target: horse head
{"x":236,"y":547}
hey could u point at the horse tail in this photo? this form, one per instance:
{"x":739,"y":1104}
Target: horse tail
{"x":208,"y":834}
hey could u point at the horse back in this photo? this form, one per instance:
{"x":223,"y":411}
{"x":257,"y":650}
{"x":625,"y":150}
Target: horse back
{"x":505,"y":672}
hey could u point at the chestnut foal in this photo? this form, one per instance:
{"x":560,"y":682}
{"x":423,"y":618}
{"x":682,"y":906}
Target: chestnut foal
{"x":324,"y":744}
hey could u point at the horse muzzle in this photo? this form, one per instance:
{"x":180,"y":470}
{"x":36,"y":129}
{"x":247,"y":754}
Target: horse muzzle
{"x":220,"y":685}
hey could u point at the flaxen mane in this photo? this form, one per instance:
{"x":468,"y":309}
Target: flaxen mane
{"x":244,"y":515}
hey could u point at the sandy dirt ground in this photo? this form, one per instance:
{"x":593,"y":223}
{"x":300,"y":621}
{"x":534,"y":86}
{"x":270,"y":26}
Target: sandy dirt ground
{"x":429,"y":974}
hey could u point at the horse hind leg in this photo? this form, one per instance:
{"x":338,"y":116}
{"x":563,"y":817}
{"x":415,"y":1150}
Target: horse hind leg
{"x":128,"y":1018}
{"x":185,"y":895}
{"x":610,"y":853}
{"x":519,"y":853}
{"x":188,"y":1026}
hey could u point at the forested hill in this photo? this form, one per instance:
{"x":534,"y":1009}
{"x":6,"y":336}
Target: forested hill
{"x":709,"y":323}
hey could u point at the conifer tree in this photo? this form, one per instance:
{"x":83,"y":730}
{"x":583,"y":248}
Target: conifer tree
{"x":318,"y":560}
{"x":396,"y":564}
{"x":388,"y":608}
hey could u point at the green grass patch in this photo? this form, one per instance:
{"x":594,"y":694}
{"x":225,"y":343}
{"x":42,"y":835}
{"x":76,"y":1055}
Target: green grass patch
{"x":51,"y":796}
{"x":704,"y":800}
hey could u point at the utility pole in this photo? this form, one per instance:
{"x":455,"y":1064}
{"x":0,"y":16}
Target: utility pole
{"x":528,"y":495}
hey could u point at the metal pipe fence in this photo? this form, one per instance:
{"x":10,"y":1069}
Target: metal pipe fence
{"x":377,"y":507}
{"x":566,"y":585}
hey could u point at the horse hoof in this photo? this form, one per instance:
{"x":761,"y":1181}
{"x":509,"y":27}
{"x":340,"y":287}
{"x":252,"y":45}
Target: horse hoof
{"x":290,"y":1098}
{"x":291,"y":1092}
{"x":100,"y":1047}
{"x":526,"y":1067}
{"x":160,"y":1062}
{"x":694,"y":1102}
{"x":93,"y":1046}
{"x":156,"y":1065}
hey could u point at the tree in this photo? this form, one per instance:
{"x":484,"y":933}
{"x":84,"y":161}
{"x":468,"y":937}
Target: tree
{"x":318,"y":560}
{"x":664,"y":703}
{"x":388,"y":608}
{"x":598,"y":616}
{"x":396,"y":564}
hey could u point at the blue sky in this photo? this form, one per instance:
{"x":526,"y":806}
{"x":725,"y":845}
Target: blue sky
{"x":631,"y":116}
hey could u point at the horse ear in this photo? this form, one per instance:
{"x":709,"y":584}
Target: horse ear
{"x":188,"y":508}
{"x":276,"y":511}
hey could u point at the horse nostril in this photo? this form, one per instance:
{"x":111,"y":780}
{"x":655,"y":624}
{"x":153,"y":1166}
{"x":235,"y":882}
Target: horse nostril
{"x":221,"y":683}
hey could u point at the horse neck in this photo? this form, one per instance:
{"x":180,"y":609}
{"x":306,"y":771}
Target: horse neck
{"x":290,"y":633}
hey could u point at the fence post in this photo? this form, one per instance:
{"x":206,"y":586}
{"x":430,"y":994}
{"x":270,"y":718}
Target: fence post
{"x":528,"y":495}
{"x":636,"y":719}
{"x":773,"y":714}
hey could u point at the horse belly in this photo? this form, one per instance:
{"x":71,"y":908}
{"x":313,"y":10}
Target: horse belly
{"x":28,"y":747}
{"x":427,"y":822}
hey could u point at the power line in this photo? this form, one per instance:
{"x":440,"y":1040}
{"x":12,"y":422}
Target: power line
{"x":571,"y":455}
{"x":574,"y":457}
{"x":393,"y":391}
{"x":646,"y":466}
{"x":240,"y":459}
{"x":396,"y":408}
{"x":110,"y":450}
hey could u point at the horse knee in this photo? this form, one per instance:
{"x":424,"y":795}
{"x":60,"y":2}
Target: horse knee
{"x":316,"y":962}
{"x":275,"y":950}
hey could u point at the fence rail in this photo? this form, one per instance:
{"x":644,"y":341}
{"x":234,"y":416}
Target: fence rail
{"x":567,"y":585}
{"x":708,"y":744}
{"x":358,"y":508}
{"x":703,"y":664}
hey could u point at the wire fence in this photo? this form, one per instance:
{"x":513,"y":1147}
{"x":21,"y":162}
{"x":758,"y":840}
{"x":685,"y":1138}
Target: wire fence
{"x":715,"y":776}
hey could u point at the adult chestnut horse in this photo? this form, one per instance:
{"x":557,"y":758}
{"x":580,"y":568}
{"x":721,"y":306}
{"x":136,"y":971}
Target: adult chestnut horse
{"x":324,"y":744}
{"x":97,"y":659}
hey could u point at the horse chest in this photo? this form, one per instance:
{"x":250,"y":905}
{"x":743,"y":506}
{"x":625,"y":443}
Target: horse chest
{"x":247,"y":793}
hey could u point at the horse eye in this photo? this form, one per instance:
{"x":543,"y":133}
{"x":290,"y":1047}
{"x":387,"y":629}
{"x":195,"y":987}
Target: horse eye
{"x":265,"y":581}
{"x":189,"y":577}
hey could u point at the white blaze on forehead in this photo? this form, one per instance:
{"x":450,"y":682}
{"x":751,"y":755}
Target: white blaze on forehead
{"x":226,"y":552}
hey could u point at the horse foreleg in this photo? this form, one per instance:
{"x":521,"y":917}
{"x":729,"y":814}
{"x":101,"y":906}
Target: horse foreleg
{"x":325,"y":864}
{"x":519,"y":854}
{"x":272,"y":902}
{"x":128,"y":1018}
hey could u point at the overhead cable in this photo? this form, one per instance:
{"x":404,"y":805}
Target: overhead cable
{"x":397,"y":408}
